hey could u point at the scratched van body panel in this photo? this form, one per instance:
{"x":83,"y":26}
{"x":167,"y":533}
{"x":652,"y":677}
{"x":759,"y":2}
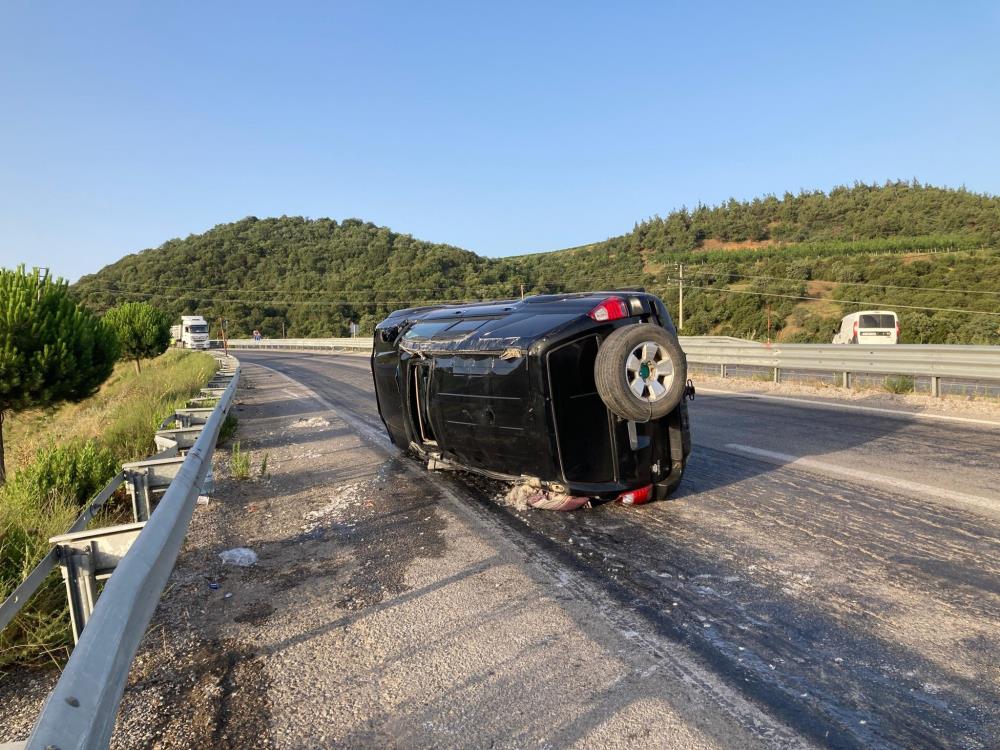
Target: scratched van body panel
{"x":507,"y":389}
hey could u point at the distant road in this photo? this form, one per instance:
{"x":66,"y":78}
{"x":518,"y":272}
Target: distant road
{"x":838,"y":567}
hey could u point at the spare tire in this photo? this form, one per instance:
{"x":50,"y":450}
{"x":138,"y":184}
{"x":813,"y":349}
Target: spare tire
{"x":640,"y":372}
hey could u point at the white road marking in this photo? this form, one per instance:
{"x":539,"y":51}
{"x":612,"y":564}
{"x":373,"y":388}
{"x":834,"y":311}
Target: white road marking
{"x":867,"y":477}
{"x":851,"y":407}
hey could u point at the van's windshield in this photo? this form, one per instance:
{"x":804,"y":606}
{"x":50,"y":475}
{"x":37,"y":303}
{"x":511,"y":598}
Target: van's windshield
{"x":877,"y":321}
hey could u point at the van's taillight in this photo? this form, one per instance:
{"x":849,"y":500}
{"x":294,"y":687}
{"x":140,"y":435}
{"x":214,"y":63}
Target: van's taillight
{"x":613,"y":308}
{"x":897,"y":328}
{"x":855,"y":330}
{"x":637,"y":497}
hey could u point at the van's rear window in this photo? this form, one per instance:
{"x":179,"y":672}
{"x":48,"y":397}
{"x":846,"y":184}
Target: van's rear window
{"x":877,"y":321}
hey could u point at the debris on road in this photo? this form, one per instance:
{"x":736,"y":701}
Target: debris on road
{"x":523,"y":496}
{"x":239,"y":556}
{"x":343,"y":497}
{"x":313,"y":422}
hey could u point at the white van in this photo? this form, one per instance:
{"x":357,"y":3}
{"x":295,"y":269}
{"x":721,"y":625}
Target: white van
{"x":868,"y":327}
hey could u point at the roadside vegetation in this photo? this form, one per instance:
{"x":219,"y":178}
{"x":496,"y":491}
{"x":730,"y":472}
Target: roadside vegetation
{"x":239,"y":462}
{"x":51,"y":349}
{"x":58,"y":458}
{"x":899,"y":384}
{"x":142,"y":331}
{"x":787,"y":267}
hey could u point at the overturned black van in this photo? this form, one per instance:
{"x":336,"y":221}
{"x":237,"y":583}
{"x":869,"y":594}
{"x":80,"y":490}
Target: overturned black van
{"x":582,"y":394}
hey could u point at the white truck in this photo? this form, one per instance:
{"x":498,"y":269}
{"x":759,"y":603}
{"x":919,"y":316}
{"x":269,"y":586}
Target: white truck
{"x":192,"y":333}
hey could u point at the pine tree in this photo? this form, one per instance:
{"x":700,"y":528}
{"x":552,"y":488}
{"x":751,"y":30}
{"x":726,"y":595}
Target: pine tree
{"x":142,"y":330}
{"x":51,"y":349}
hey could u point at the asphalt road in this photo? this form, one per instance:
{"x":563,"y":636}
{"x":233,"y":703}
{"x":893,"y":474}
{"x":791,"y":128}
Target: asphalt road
{"x":840,"y":568}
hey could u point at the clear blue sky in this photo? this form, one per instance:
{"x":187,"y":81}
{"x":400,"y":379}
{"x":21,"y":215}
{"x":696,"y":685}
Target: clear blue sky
{"x":502,"y":128}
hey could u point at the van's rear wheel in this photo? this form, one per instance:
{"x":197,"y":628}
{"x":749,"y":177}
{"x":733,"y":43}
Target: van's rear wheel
{"x":640,"y":372}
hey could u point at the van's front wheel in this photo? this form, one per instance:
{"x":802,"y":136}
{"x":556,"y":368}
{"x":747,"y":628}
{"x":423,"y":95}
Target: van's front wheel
{"x":640,"y":372}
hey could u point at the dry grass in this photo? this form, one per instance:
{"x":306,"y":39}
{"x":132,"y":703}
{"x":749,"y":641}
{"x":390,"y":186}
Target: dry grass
{"x":57,"y":460}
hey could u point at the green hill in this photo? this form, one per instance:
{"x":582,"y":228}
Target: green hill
{"x":799,"y":262}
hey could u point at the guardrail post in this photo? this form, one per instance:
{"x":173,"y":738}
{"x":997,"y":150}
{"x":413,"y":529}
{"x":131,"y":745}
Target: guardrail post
{"x":138,"y":490}
{"x":777,"y":374}
{"x":847,"y":379}
{"x":81,"y":585}
{"x":935,"y":386}
{"x":722,"y":371}
{"x":85,"y":557}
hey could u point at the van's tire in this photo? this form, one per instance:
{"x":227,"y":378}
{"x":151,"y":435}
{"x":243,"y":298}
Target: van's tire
{"x":640,"y":372}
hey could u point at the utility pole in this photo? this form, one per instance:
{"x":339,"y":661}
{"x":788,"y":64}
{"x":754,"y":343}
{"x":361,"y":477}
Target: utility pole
{"x":225,"y":341}
{"x":680,"y":295}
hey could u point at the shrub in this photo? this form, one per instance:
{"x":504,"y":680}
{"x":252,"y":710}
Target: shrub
{"x":239,"y":462}
{"x":228,"y":429}
{"x":898,"y":384}
{"x":76,"y":470}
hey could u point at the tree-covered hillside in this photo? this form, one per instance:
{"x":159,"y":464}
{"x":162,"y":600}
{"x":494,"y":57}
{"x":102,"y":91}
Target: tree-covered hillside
{"x":786,"y":267}
{"x":313,"y":277}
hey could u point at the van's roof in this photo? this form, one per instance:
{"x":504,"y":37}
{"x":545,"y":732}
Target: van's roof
{"x":870,"y":312}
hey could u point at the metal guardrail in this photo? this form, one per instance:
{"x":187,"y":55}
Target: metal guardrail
{"x":933,"y":361}
{"x":979,"y":363}
{"x":20,"y":596}
{"x":80,"y":712}
{"x":352,"y":344}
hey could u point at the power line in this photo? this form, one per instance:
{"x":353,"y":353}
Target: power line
{"x":333,"y":302}
{"x":845,"y":283}
{"x":847,"y":301}
{"x":196,"y":290}
{"x":419,"y":302}
{"x":328,"y":303}
{"x":646,"y":279}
